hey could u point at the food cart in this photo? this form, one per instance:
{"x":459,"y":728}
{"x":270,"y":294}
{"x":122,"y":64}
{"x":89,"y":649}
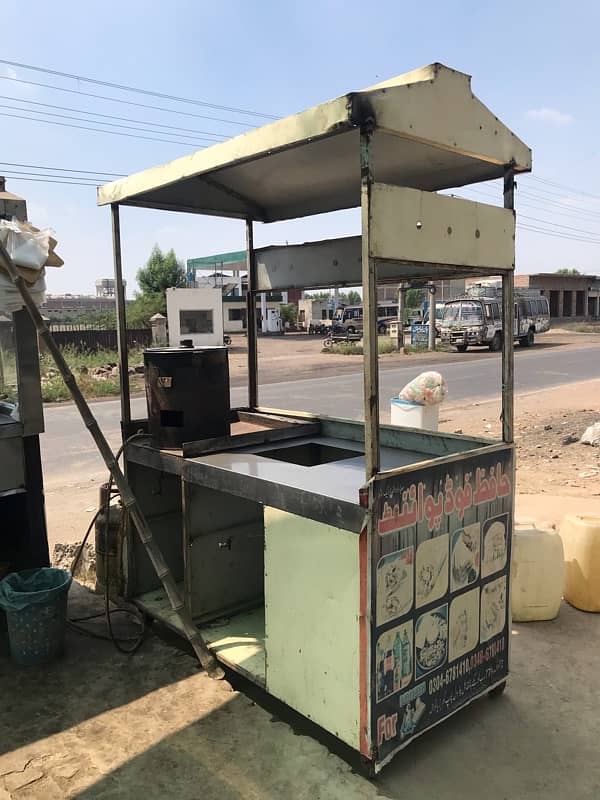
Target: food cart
{"x":358,"y":572}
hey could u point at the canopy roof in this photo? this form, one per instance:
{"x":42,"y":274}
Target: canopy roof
{"x":430,"y":132}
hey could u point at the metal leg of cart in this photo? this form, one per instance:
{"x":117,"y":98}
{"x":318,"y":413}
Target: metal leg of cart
{"x":205,"y":657}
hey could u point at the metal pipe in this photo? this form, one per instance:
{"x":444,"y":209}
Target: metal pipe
{"x":251,"y":317}
{"x":400,"y":334}
{"x":369,"y":287}
{"x":431,"y":318}
{"x":508,"y":321}
{"x":121,"y":323}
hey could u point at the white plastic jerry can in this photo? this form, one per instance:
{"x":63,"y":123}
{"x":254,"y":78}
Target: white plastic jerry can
{"x":580,"y":534}
{"x":538,"y":570}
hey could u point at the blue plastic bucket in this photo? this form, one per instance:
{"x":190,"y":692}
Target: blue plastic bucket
{"x":35,"y":602}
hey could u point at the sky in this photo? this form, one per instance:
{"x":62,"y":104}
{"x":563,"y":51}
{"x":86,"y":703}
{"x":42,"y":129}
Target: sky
{"x":535,"y":64}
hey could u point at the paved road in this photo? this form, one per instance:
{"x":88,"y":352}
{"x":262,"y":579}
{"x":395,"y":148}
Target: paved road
{"x":68,"y":450}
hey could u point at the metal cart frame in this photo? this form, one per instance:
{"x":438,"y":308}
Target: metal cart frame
{"x":389,"y":149}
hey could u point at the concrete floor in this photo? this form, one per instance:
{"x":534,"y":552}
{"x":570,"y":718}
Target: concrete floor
{"x":98,"y":725}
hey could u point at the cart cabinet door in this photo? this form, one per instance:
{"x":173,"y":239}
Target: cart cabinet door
{"x":441,"y":541}
{"x":312,"y":620}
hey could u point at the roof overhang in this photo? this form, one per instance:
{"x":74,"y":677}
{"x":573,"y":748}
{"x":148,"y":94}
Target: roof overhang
{"x":430,"y":132}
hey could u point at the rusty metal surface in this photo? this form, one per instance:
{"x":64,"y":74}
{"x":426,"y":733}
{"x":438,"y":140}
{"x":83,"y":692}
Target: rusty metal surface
{"x":187,"y":390}
{"x":430,"y":132}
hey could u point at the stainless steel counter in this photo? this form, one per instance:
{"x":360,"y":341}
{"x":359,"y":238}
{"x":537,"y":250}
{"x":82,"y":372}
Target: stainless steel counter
{"x":338,"y":480}
{"x":326,"y":492}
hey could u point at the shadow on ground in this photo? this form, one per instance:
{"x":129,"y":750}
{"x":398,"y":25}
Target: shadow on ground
{"x":97,"y":726}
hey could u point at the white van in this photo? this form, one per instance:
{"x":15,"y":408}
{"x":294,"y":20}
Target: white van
{"x":477,"y":321}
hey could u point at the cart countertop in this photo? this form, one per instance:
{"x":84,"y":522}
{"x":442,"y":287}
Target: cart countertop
{"x":326,"y":492}
{"x":338,"y":480}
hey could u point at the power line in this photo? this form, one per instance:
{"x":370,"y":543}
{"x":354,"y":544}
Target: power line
{"x":101,"y":122}
{"x":551,"y":200}
{"x":124,"y":102}
{"x":98,"y":130}
{"x":567,"y":237}
{"x":108,"y":116}
{"x":46,"y":180}
{"x":17,"y":174}
{"x":565,"y":188}
{"x":63,"y":169}
{"x":125,"y":88}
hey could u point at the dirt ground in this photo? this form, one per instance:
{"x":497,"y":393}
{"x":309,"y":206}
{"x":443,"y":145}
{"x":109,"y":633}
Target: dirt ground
{"x":554,"y":473}
{"x":97,"y":725}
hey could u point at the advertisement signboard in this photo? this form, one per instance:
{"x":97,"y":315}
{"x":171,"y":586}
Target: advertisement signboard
{"x":419,"y":334}
{"x":440,"y":581}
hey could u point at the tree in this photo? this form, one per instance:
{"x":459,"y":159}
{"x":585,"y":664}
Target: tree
{"x":161,"y":272}
{"x":289,"y":313}
{"x":567,"y":271}
{"x":351,"y":298}
{"x":414,"y":298}
{"x":145,"y":306}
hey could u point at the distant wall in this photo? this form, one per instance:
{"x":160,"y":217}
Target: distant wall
{"x":90,"y":339}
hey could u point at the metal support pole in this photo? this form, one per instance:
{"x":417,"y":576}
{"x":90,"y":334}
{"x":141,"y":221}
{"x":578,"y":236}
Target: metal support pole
{"x":121,"y":323}
{"x":508,"y":318}
{"x":369,"y":287}
{"x":401,"y":304}
{"x":431,"y":320}
{"x":251,"y":317}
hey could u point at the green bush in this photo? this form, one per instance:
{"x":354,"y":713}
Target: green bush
{"x":384,"y":346}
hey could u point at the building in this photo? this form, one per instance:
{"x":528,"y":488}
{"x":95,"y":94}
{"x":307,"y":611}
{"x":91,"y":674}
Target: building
{"x":227,"y":271}
{"x":74,"y":305}
{"x":569,"y":296}
{"x":105,"y":287}
{"x":196,"y":315}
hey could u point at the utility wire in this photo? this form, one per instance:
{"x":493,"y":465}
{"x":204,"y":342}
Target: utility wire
{"x":124,"y":102}
{"x":567,"y":237}
{"x":46,"y":180}
{"x":94,"y":180}
{"x":558,"y":225}
{"x":99,"y":130}
{"x":122,"y":87}
{"x":101,"y":122}
{"x":565,"y":188}
{"x":218,"y":136}
{"x":63,"y":169}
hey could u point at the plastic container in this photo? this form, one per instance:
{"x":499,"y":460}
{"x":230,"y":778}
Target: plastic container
{"x":538,"y":571}
{"x":35,"y":602}
{"x":580,"y":534}
{"x":414,"y":415}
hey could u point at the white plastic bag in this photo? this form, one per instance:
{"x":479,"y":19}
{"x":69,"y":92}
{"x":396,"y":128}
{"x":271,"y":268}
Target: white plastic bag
{"x":27,"y":248}
{"x":427,"y":389}
{"x":592,"y":435}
